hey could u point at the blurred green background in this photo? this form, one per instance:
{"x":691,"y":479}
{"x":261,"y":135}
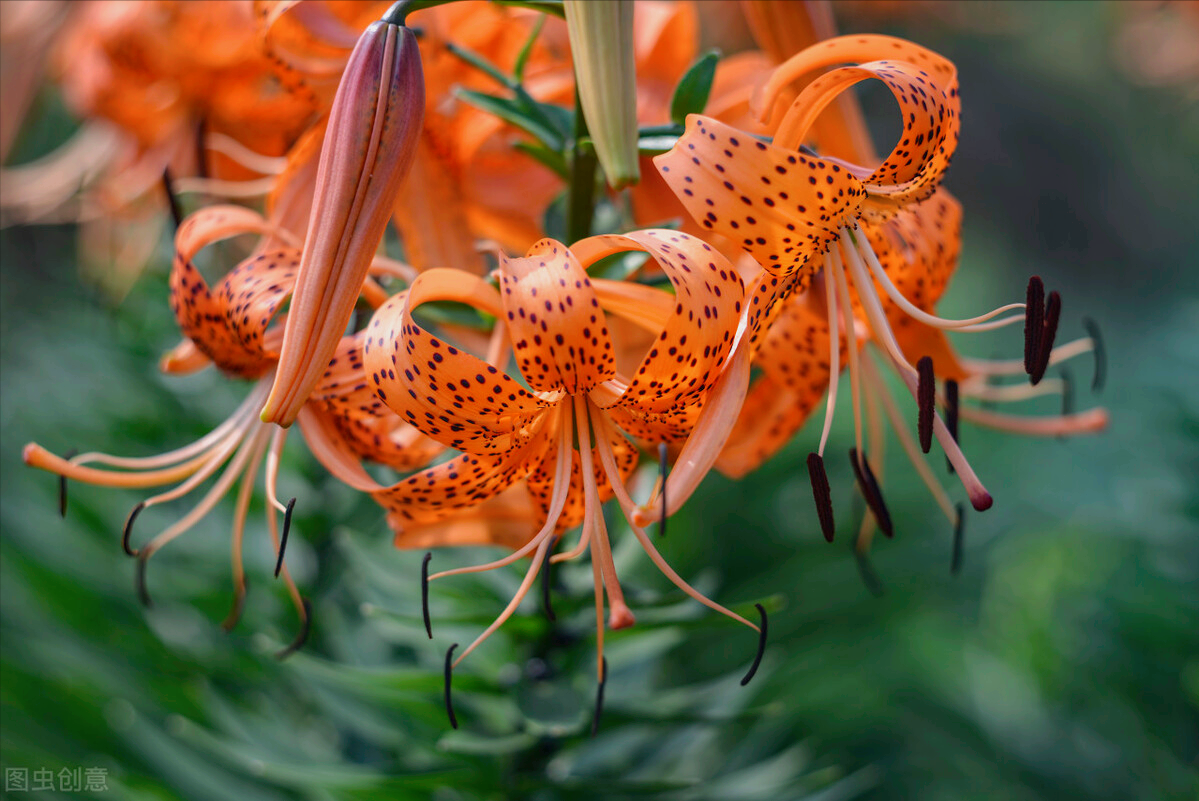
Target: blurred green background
{"x":1063,"y":662}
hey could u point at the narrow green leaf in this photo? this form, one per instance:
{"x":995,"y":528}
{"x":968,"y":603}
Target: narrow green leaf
{"x":516,"y":113}
{"x":691,"y":95}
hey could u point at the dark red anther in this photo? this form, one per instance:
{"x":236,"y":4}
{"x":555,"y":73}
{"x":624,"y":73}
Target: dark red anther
{"x":926,"y":401}
{"x":951,"y":413}
{"x":1034,"y":321}
{"x":871,"y":492}
{"x":822,"y":494}
{"x":1053,"y":311}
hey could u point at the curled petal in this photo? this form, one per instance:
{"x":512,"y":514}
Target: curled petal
{"x":682,"y":365}
{"x":782,"y":207}
{"x":559,"y":336}
{"x":924,"y":84}
{"x":452,"y":396}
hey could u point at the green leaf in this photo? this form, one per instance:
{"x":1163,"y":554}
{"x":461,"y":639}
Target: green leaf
{"x":529,"y":118}
{"x":691,"y":95}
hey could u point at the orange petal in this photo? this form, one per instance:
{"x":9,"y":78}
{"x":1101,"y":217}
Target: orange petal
{"x":559,"y":335}
{"x":683,"y":364}
{"x":924,"y":85}
{"x":452,"y":396}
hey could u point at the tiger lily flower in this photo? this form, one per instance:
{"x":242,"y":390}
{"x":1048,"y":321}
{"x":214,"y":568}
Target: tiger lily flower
{"x":556,"y":321}
{"x":815,"y":224}
{"x":233,"y":326}
{"x":370,"y":141}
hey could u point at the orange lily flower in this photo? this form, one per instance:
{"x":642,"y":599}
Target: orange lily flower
{"x":233,"y":325}
{"x":556,"y":321}
{"x":162,"y":85}
{"x":820,"y":221}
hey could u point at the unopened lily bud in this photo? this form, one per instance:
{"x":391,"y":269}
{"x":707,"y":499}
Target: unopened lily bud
{"x":374,"y":126}
{"x":601,"y":44}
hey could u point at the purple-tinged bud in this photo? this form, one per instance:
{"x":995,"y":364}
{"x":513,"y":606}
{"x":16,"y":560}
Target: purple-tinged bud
{"x":374,"y":126}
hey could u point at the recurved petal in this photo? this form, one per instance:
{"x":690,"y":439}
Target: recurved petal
{"x":452,"y":396}
{"x":559,"y":335}
{"x":682,"y":365}
{"x":793,"y":360}
{"x":924,"y":85}
{"x":228,"y":325}
{"x":782,"y":207}
{"x":465,"y":481}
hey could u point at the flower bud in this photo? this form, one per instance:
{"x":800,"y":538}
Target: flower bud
{"x":374,"y":126}
{"x":601,"y":44}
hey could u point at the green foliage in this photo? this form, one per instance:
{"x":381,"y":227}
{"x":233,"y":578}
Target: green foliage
{"x":1061,"y":663}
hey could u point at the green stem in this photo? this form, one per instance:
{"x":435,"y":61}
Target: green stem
{"x":580,"y":202}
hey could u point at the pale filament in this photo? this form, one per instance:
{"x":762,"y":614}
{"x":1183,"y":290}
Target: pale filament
{"x":854,"y":367}
{"x":521,"y":592}
{"x":235,"y":420}
{"x":863,"y":247}
{"x":976,"y":387}
{"x":278,"y":438}
{"x":1016,"y":366}
{"x":1087,"y":422}
{"x":882,"y":334}
{"x":228,"y":146}
{"x":880,"y":391}
{"x":218,"y":491}
{"x":608,"y":460}
{"x":834,"y":351}
{"x":255,"y":187}
{"x":619,"y":614}
{"x":557,"y":504}
{"x":239,"y":529}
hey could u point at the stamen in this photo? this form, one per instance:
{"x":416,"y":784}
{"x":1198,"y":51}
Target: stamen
{"x":753,"y":669}
{"x":424,"y":593}
{"x":239,"y":604}
{"x":545,"y":586}
{"x":1093,"y":332}
{"x":822,"y":494}
{"x":599,"y":696}
{"x":1067,"y":392}
{"x":608,"y":462}
{"x":955,"y":564}
{"x":997,"y":367}
{"x":521,"y":592}
{"x":862,"y":248}
{"x":869,"y":577}
{"x":834,"y":350}
{"x":850,"y":344}
{"x":62,"y":485}
{"x":137,"y":510}
{"x":140,"y":579}
{"x":449,"y":676}
{"x":1053,"y":310}
{"x":951,"y":414}
{"x":302,"y":636}
{"x":283,"y":537}
{"x":239,"y":529}
{"x":172,"y":201}
{"x":662,"y":471}
{"x":926,"y":398}
{"x":1034,"y":321}
{"x":871,"y":492}
{"x":1087,"y":422}
{"x":878,"y":388}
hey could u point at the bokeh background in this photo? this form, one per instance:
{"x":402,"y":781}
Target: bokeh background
{"x":1062,"y":662}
